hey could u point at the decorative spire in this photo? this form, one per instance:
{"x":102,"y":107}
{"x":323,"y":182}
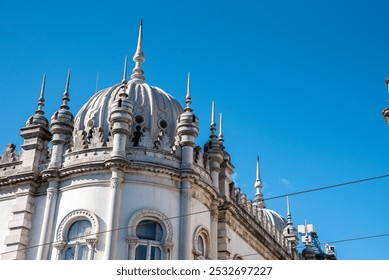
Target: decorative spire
{"x":41,"y":101}
{"x":259,"y":201}
{"x":124,"y":81}
{"x":258,"y":183}
{"x":221,"y":136}
{"x":289,"y":217}
{"x":139,"y":58}
{"x":123,"y":93}
{"x":188,"y":95}
{"x":213,"y":123}
{"x":65,"y":97}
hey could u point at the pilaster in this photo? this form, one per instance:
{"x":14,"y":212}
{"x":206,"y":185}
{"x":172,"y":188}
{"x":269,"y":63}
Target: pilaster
{"x":224,"y":237}
{"x":19,"y":225}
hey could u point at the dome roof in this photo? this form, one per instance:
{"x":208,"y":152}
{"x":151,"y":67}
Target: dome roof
{"x":276,"y":219}
{"x":154,"y":110}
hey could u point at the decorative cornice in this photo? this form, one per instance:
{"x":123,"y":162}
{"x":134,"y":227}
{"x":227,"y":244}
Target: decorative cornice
{"x":19,"y":178}
{"x":255,"y":235}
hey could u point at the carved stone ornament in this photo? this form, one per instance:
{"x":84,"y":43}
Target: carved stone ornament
{"x":9,"y":154}
{"x":96,"y":138}
{"x":77,"y":215}
{"x":80,"y":141}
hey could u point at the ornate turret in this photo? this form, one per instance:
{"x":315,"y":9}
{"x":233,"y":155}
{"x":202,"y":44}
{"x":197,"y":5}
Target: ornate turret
{"x":121,"y":118}
{"x":187,"y":130}
{"x":61,"y":128}
{"x":290,"y":232}
{"x":226,"y":167}
{"x":214,"y":151}
{"x":39,"y":118}
{"x":36,"y":136}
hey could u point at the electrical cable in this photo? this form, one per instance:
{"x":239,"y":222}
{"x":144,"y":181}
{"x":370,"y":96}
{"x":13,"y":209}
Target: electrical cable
{"x":329,"y":187}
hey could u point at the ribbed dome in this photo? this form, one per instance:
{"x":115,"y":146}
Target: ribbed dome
{"x":154,"y":110}
{"x":276,"y":219}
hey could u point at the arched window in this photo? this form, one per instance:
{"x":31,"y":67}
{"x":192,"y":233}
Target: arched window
{"x":77,"y":236}
{"x":77,"y":247}
{"x":201,"y":244}
{"x":150,"y":235}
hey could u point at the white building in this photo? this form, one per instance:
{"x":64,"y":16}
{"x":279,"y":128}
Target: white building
{"x":125,"y":179}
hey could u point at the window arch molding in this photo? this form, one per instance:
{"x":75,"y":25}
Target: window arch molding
{"x":201,"y":235}
{"x":68,"y":221}
{"x":144,"y":214}
{"x":154,"y":215}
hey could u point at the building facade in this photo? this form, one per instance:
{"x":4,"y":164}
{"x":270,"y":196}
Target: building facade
{"x":125,"y":179}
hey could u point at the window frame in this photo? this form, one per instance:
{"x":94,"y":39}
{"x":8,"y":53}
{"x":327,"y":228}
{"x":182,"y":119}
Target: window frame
{"x":62,"y":243}
{"x":77,"y":243}
{"x":165,"y":245}
{"x":203,"y":233}
{"x":149,"y":243}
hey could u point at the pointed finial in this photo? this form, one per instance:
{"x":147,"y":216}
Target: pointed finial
{"x":124,"y":81}
{"x":258,"y":174}
{"x":213,"y":123}
{"x":123,"y":89}
{"x":188,"y":95}
{"x":259,"y":201}
{"x":289,"y":215}
{"x":65,"y":97}
{"x":41,"y":101}
{"x":221,"y":136}
{"x":139,"y":58}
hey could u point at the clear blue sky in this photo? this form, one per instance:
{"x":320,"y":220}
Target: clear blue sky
{"x":301,"y":84}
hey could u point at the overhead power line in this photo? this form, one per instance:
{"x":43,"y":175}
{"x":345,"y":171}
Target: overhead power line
{"x":358,"y":238}
{"x":329,"y":187}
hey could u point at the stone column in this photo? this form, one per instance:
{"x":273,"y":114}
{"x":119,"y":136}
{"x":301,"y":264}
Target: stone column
{"x":48,"y":219}
{"x":117,"y":179}
{"x":59,"y":246}
{"x":131,"y":248}
{"x":185,"y":220}
{"x":91,"y":241}
{"x":187,"y":131}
